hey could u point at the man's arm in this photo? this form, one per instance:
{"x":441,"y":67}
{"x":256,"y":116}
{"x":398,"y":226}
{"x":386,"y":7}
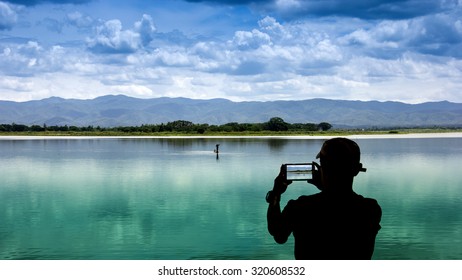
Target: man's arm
{"x":278,"y":226}
{"x":377,"y":212}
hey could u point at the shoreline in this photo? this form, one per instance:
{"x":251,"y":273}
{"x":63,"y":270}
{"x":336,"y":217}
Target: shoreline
{"x":352,"y":136}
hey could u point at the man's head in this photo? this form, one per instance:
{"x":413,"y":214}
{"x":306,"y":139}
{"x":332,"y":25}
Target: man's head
{"x":340,"y":162}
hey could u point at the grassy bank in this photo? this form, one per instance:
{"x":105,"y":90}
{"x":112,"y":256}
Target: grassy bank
{"x":243,"y":134}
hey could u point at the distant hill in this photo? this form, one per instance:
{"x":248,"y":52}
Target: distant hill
{"x":120,"y":110}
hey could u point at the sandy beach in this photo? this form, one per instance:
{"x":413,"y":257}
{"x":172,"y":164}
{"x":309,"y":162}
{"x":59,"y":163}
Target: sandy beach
{"x":353,"y":136}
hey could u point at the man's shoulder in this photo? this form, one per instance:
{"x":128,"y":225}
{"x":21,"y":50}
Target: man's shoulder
{"x":370,"y":207}
{"x":370,"y":202}
{"x":312,"y":199}
{"x":321,"y":198}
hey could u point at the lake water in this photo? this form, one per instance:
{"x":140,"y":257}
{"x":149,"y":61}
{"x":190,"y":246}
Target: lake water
{"x":174,"y":199}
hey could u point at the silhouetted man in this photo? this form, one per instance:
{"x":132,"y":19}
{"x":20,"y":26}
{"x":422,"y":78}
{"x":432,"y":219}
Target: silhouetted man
{"x":335,"y":223}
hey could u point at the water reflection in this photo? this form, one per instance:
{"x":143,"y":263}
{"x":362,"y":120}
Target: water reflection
{"x":171,"y":198}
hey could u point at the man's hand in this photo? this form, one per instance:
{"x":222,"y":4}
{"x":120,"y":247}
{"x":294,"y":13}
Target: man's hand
{"x":316,"y":180}
{"x":280,"y":183}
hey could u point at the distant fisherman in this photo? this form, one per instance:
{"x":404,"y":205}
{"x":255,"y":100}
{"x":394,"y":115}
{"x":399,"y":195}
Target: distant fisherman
{"x":216,"y":151}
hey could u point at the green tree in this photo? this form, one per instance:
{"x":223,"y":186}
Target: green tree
{"x":181,"y":125}
{"x":36,"y":128}
{"x":324,"y":126}
{"x":19,"y":127}
{"x":277,"y":124}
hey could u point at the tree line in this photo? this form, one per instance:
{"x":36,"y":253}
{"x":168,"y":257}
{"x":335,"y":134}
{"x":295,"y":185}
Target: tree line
{"x":180,"y":126}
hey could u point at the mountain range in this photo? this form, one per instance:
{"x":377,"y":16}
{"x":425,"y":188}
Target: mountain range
{"x":120,"y":110}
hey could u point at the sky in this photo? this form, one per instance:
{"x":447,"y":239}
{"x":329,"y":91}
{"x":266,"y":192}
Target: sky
{"x":242,"y":50}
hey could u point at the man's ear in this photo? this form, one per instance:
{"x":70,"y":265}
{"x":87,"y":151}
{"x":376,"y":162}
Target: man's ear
{"x":358,"y":168}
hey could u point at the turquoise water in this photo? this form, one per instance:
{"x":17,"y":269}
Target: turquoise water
{"x":174,"y":199}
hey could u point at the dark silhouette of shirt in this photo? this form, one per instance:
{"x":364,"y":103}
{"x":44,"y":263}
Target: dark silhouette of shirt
{"x":329,"y":226}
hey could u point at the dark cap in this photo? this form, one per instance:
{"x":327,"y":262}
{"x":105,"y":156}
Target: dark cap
{"x":340,"y":150}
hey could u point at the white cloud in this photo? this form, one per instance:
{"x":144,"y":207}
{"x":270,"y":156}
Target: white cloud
{"x":132,"y":90}
{"x":270,"y":25}
{"x":438,"y":34}
{"x":51,"y":84}
{"x":172,"y":57}
{"x":112,"y":39}
{"x":288,"y":4}
{"x":21,"y":60}
{"x":253,"y":39}
{"x":330,"y":57}
{"x":146,"y":29}
{"x":79,"y":20}
{"x":15,"y":84}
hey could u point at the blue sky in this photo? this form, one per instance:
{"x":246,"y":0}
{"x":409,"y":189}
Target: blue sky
{"x":242,"y":50}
